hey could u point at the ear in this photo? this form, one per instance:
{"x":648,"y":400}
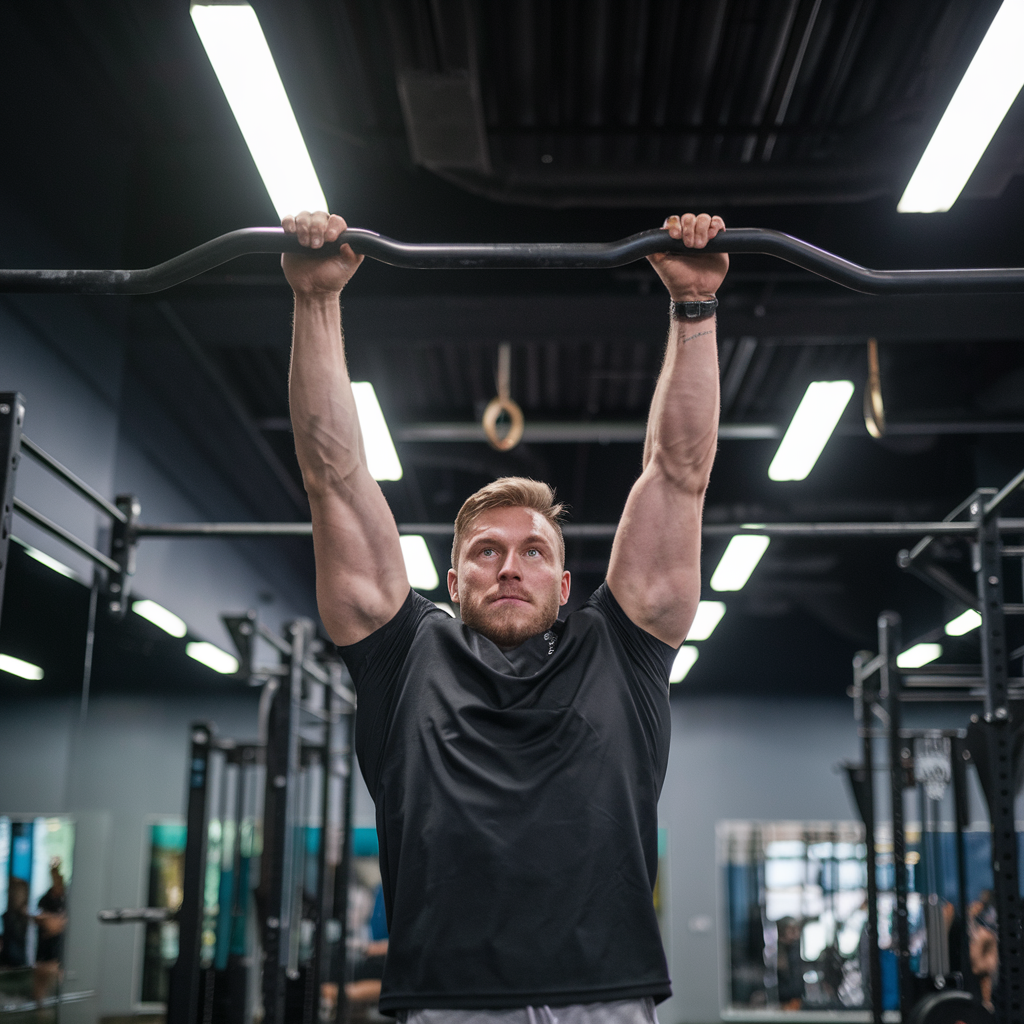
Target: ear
{"x":453,"y":586}
{"x":566,"y":582}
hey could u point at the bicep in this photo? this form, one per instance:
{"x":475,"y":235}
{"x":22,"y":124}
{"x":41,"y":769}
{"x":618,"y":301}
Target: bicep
{"x":654,"y":570}
{"x":361,"y":580}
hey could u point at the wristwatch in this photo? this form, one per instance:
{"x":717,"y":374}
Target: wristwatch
{"x":693,"y":310}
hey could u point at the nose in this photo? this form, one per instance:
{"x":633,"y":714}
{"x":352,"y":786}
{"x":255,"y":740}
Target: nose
{"x":510,"y":569}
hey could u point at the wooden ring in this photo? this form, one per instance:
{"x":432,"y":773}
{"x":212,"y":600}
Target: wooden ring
{"x":495,"y":407}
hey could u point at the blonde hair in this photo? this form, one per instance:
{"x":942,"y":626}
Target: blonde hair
{"x":509,"y":492}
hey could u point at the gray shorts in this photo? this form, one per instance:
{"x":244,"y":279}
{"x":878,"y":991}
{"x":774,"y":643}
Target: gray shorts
{"x":623,"y":1011}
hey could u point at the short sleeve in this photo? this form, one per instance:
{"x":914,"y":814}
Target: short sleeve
{"x":375,"y":664}
{"x":652,"y":657}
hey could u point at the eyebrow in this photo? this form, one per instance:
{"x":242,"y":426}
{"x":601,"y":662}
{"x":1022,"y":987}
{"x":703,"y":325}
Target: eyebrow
{"x":534,"y":539}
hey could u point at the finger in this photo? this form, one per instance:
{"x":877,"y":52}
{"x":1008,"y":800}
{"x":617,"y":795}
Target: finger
{"x":317,"y":225}
{"x":302,"y":227}
{"x":335,"y":226}
{"x":688,"y":223}
{"x":674,"y":225}
{"x":288,"y":223}
{"x":700,"y":230}
{"x":717,"y":224}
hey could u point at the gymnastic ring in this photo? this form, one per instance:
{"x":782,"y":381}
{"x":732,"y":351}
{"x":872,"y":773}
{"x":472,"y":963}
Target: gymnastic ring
{"x":495,"y":407}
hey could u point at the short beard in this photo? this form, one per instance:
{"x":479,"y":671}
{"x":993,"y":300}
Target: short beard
{"x":504,"y":628}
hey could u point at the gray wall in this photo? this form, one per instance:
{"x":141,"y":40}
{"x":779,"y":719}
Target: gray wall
{"x":737,"y":758}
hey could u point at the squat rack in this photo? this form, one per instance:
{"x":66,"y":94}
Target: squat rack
{"x":991,"y":742}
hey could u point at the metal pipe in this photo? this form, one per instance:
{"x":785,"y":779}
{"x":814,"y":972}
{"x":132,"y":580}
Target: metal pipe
{"x":97,"y":499}
{"x":590,"y":531}
{"x":29,"y":513}
{"x":514,"y":256}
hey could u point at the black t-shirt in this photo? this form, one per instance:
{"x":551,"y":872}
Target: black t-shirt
{"x":517,"y":807}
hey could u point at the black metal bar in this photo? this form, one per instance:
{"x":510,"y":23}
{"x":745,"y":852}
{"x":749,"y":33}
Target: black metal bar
{"x":514,"y":256}
{"x":1009,"y":993}
{"x":29,"y":513}
{"x":183,"y":989}
{"x":12,"y":415}
{"x":888,"y":646}
{"x":865,"y":693}
{"x":958,"y":756}
{"x":1013,"y":485}
{"x":592,"y":531}
{"x":55,"y":467}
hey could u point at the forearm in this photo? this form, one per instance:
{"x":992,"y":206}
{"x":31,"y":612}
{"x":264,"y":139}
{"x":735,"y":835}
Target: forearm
{"x":682,"y":428}
{"x":328,"y":441}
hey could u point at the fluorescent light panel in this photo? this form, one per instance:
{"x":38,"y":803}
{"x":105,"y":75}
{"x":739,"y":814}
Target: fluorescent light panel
{"x":212,"y":657}
{"x":419,"y":566}
{"x":709,"y":614}
{"x":739,"y":561}
{"x":381,"y":457}
{"x":685,"y":660}
{"x":49,"y":561}
{"x":987,"y":90}
{"x":918,"y":655}
{"x":160,"y":616}
{"x":963,"y":623}
{"x":238,"y":51}
{"x":17,"y":667}
{"x":813,"y":422}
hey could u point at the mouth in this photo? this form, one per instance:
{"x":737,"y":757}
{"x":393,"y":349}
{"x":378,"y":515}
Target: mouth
{"x":510,"y":600}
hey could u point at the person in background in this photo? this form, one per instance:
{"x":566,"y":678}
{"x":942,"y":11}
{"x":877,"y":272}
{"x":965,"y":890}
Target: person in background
{"x":52,"y":920}
{"x":790,"y":964}
{"x":15,"y":918}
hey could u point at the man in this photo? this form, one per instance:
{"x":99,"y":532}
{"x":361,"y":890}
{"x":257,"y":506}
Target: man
{"x":515,"y":760}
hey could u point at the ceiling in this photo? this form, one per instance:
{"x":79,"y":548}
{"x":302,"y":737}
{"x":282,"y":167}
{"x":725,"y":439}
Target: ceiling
{"x":535,"y":120}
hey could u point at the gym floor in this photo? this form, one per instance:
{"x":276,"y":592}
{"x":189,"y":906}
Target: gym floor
{"x":562,"y":122}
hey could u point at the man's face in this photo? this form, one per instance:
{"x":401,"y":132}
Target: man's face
{"x":509,"y":582}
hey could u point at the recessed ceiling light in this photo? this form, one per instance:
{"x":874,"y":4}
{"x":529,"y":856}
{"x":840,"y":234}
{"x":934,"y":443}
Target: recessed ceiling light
{"x":160,"y":616}
{"x":989,"y":86}
{"x":963,"y":623}
{"x":685,"y":660}
{"x":212,"y":657}
{"x":813,"y":422}
{"x":918,"y":655}
{"x":709,"y":614}
{"x":245,"y":68}
{"x":17,"y":667}
{"x":381,"y":457}
{"x":738,"y":561}
{"x":419,"y":566}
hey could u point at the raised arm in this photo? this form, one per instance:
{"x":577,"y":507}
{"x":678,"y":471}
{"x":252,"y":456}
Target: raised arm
{"x":654,"y":571}
{"x":361,"y":580}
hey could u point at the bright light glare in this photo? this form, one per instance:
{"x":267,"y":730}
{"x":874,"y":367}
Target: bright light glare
{"x":918,"y":655}
{"x":446,"y":607}
{"x":988,"y":88}
{"x":419,"y":566}
{"x":964,"y":623}
{"x":244,"y":66}
{"x":381,"y":456}
{"x":739,"y":561}
{"x":813,"y":422}
{"x":709,"y":614}
{"x":17,"y":667}
{"x":50,"y":562}
{"x":212,"y":657}
{"x":160,"y":616}
{"x":685,"y":660}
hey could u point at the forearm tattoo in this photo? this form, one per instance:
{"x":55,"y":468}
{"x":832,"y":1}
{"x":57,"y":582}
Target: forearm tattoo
{"x":699,"y":334}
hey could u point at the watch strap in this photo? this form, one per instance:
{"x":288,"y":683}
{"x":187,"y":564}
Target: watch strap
{"x":693,"y":310}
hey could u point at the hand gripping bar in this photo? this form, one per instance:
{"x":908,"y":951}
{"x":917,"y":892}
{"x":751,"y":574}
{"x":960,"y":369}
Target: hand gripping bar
{"x":513,"y":256}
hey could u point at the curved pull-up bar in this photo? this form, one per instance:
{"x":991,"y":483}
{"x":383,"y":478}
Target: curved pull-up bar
{"x":513,"y":256}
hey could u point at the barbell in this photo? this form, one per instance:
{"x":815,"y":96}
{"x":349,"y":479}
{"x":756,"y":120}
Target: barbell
{"x":513,"y":256}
